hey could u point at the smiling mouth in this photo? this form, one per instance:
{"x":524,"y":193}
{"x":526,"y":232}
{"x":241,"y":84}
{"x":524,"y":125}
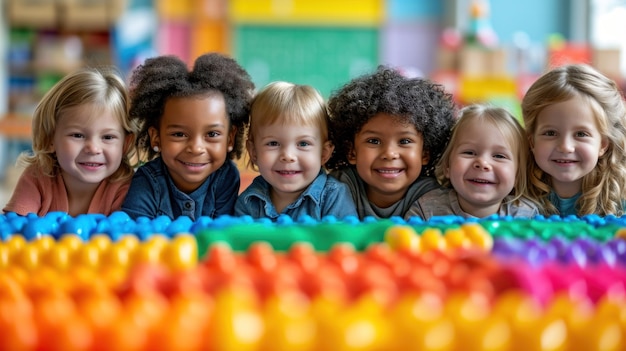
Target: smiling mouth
{"x":287,"y":172}
{"x":481,"y":181}
{"x":90,"y":164}
{"x":189,"y":164}
{"x":389,"y":171}
{"x":564,"y":161}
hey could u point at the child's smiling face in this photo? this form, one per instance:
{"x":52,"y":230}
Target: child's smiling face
{"x":567,"y":144}
{"x":194,"y":136}
{"x":89,"y":142}
{"x":388,"y":155}
{"x":482,"y":168}
{"x":289,"y":158}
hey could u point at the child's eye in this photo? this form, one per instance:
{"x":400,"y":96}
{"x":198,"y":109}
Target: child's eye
{"x":272,"y":143}
{"x":581,"y":134}
{"x":467,"y":152}
{"x":373,"y":141}
{"x":77,"y":135}
{"x":178,"y":134}
{"x":109,"y":137}
{"x":213,"y":134}
{"x":405,"y":141}
{"x":549,"y":133}
{"x":303,"y":144}
{"x":501,"y":156}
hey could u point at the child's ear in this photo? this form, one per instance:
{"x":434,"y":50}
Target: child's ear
{"x":604,"y":146}
{"x":352,"y":156}
{"x":154,"y":137}
{"x":327,"y":151}
{"x":231,"y":138}
{"x":425,"y":157}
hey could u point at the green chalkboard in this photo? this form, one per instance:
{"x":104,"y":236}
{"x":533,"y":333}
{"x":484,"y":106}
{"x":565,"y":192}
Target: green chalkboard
{"x":323,"y":57}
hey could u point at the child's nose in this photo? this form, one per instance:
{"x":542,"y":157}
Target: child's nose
{"x":92,"y":147}
{"x":196,"y":145}
{"x":565,"y":144}
{"x":391,"y":153}
{"x":481,"y":163}
{"x":287,"y":155}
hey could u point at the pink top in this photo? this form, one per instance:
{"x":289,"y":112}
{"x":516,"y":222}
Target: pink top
{"x":37,"y":193}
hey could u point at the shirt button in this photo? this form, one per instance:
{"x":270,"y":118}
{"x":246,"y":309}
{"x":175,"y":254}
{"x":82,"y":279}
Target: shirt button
{"x":187,"y":205}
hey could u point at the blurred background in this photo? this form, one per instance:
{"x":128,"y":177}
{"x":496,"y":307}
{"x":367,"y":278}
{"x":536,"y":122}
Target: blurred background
{"x":481,"y":50}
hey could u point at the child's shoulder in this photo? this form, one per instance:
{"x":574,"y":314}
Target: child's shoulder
{"x":523,"y":207}
{"x":436,"y":195}
{"x":327,"y":182}
{"x":154,"y":167}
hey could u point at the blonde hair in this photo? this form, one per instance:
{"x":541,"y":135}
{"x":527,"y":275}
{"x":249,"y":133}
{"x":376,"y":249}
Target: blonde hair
{"x":508,"y":126}
{"x":604,"y":188}
{"x":101,"y":87}
{"x":288,"y":103}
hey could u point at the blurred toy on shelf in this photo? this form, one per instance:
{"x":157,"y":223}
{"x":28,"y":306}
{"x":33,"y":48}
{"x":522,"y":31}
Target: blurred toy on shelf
{"x":475,"y":67}
{"x":480,"y":31}
{"x":472,"y":66}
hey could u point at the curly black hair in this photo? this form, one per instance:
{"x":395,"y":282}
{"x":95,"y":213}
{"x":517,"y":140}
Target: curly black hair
{"x":164,"y":77}
{"x":420,"y":101}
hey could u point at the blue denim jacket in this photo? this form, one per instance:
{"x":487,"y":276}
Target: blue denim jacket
{"x":326,"y":196}
{"x":152,"y":193}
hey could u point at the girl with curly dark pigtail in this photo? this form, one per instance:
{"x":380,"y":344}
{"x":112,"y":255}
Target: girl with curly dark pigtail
{"x":193,"y":124}
{"x":389,"y":132}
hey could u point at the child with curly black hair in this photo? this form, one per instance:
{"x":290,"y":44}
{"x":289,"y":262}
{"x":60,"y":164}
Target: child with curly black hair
{"x":192,"y":127}
{"x":389,"y":132}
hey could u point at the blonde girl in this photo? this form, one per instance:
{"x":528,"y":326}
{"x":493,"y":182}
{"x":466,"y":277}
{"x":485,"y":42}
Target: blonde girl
{"x":574,"y":118}
{"x":82,"y":146}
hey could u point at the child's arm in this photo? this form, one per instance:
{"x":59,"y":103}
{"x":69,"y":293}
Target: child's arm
{"x":240,"y":207}
{"x":338,"y":200}
{"x":415,"y":210}
{"x":120,"y":196}
{"x":227,"y":190}
{"x":143,"y":196}
{"x":27,"y":195}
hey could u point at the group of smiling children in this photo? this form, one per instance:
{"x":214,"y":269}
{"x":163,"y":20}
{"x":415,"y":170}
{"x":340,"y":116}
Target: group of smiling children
{"x":383,"y":145}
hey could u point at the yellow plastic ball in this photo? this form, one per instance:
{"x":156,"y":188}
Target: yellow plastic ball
{"x":402,"y":237}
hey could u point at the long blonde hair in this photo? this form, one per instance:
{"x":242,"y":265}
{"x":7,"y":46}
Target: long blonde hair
{"x":604,"y":188}
{"x":101,"y":87}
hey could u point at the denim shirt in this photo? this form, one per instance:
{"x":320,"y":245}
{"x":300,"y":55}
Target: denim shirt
{"x":326,"y":196}
{"x":152,"y":193}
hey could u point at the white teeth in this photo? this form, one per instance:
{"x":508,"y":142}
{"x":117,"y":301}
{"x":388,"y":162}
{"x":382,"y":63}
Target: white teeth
{"x":390,"y":171}
{"x":287,"y":172}
{"x":481,"y":181}
{"x":193,"y":164}
{"x":92,"y":164}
